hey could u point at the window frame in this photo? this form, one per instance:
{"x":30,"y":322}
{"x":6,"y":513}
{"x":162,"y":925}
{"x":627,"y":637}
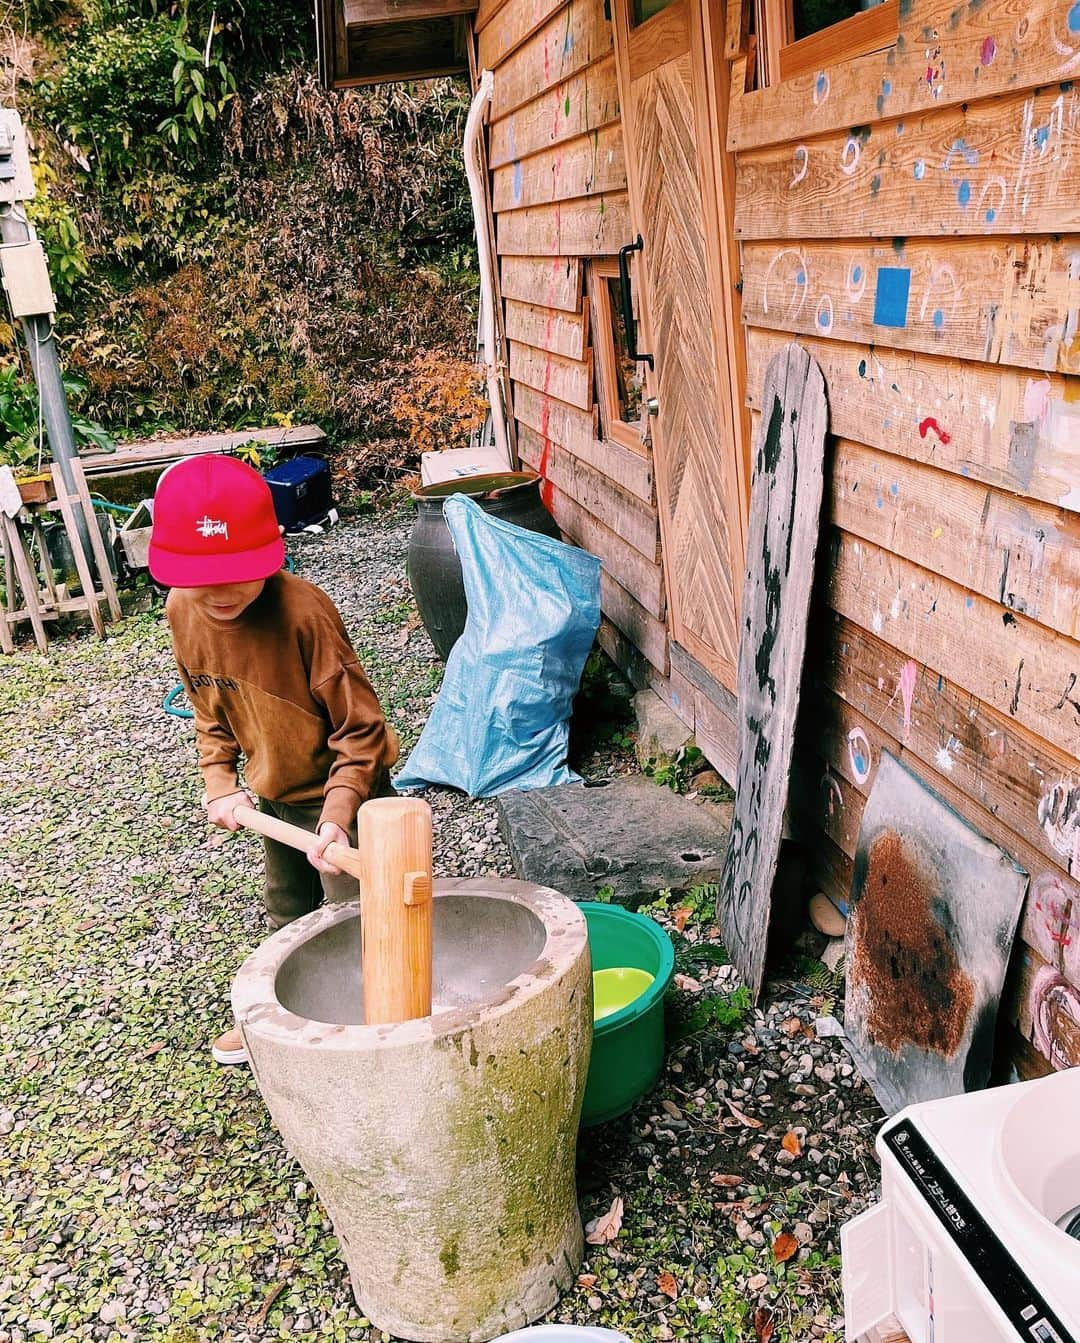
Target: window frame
{"x":613,"y":428}
{"x":875,"y":29}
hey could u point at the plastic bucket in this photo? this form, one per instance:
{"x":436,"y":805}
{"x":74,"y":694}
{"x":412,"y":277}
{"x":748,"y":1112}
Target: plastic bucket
{"x":628,"y":1045}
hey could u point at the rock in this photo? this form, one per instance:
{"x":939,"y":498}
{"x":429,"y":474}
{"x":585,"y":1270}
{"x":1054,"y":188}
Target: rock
{"x":111,"y":1311}
{"x":825,"y":916}
{"x":629,"y":835}
{"x":661,"y":734}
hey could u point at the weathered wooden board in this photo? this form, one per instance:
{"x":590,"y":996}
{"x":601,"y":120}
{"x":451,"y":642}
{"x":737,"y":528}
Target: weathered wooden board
{"x":360,"y":13}
{"x":585,"y":102}
{"x":934,"y":909}
{"x":627,"y":516}
{"x":945,"y":54}
{"x":637,"y":670}
{"x":548,"y":329}
{"x":486,"y":11}
{"x":998,"y":166}
{"x":598,"y":226}
{"x":575,"y":431}
{"x":550,"y":282}
{"x":629,"y":568}
{"x":567,"y":43}
{"x":1020,"y":553}
{"x":1029,"y":784}
{"x":1006,"y":301}
{"x":785,"y":508}
{"x":568,"y":380}
{"x":1003,"y":427}
{"x":648,"y":635}
{"x":588,"y":166}
{"x":1023,"y":670}
{"x":506,"y":30}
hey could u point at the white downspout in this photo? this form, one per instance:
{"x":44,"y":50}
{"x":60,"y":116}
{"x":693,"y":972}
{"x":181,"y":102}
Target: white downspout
{"x":474,"y":172}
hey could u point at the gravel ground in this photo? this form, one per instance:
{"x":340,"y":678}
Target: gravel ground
{"x":145,"y":1195}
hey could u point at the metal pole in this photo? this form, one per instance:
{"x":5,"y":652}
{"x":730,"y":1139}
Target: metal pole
{"x":45,"y":364}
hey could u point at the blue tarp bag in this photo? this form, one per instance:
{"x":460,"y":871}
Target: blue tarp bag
{"x":502,"y":717}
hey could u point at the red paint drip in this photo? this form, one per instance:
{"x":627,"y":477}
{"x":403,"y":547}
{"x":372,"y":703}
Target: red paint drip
{"x":930,"y":423}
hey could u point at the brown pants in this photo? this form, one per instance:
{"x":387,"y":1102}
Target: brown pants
{"x":292,"y":887}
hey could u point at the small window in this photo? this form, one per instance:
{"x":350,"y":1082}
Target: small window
{"x":645,"y":9}
{"x":795,"y":37}
{"x":620,"y":388}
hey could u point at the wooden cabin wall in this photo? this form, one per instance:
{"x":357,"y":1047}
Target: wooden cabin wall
{"x":559,"y":197}
{"x":912,"y":216}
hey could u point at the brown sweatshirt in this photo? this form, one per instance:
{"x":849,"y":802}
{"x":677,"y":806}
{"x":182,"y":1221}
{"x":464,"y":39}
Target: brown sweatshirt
{"x":282,"y":686}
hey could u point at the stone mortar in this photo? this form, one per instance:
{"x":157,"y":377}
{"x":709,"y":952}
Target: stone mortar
{"x":443,"y":1149}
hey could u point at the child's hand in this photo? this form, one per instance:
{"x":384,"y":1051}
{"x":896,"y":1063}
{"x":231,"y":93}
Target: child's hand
{"x":220,"y":811}
{"x":329,"y":833}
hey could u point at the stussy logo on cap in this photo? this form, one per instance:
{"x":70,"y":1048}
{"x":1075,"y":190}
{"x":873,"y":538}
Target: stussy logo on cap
{"x":212,"y":527}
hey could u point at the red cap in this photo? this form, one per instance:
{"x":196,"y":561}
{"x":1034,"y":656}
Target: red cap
{"x":214,"y":523}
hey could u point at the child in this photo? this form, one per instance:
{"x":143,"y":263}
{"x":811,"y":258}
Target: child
{"x":271,"y":676}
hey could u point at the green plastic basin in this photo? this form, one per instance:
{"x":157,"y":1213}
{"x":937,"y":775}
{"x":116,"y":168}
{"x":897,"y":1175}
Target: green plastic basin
{"x":628,"y":1044}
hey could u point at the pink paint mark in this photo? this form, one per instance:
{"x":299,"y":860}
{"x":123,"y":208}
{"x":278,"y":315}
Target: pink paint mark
{"x":908,"y":674}
{"x":1036,"y":399}
{"x":930,"y":423}
{"x":989,"y":51}
{"x":558,"y":111}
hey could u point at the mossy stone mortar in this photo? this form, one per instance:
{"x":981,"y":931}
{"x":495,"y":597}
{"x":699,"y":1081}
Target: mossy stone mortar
{"x":443,"y":1149}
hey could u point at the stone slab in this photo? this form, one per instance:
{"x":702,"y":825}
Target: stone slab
{"x":628,"y":834}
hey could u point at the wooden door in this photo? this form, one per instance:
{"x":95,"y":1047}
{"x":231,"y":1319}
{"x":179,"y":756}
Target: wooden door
{"x":672,"y":83}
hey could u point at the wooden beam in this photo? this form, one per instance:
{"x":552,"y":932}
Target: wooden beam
{"x":550,"y":282}
{"x":1002,"y":300}
{"x":548,"y":329}
{"x":626,"y":516}
{"x":588,"y":166}
{"x":1004,"y":769}
{"x":597,"y":226}
{"x":1001,"y":426}
{"x":1003,"y":166}
{"x":505,"y":30}
{"x":570,"y":41}
{"x":645,"y":632}
{"x":1022,"y":669}
{"x":945,"y":56}
{"x":629,"y":568}
{"x":1024,"y":556}
{"x":361,"y":13}
{"x":575,"y":432}
{"x":568,"y":380}
{"x":585,"y":102}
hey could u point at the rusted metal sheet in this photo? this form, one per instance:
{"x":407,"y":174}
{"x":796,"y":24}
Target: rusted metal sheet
{"x":934,"y":910}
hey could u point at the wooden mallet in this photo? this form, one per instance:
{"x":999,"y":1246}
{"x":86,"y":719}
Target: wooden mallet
{"x":393,"y":866}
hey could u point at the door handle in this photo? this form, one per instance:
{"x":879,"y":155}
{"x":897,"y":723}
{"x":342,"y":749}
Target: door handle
{"x":628,"y":303}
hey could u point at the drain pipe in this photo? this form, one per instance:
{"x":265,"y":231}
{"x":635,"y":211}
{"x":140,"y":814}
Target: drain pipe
{"x":474,"y":172}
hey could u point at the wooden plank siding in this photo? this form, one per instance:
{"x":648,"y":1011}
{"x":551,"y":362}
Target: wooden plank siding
{"x":559,"y":197}
{"x":912,"y":216}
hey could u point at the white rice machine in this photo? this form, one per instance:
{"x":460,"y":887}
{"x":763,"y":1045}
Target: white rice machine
{"x":977,"y":1235}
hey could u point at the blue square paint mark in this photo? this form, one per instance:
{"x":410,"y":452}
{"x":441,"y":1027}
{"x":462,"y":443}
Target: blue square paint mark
{"x":891,"y":298}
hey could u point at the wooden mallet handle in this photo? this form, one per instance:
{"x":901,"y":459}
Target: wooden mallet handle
{"x":296,"y":837}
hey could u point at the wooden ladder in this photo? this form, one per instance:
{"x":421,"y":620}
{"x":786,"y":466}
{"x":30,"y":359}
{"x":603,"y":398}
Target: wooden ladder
{"x":34,"y":595}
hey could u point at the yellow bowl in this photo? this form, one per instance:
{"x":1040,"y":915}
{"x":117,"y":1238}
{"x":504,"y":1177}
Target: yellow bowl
{"x":617,"y":988}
